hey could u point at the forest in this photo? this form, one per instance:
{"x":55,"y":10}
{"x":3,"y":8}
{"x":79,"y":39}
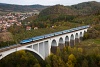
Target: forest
{"x":83,"y":54}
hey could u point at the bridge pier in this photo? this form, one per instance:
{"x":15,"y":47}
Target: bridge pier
{"x":36,"y":47}
{"x":46,"y":46}
{"x":41,"y":49}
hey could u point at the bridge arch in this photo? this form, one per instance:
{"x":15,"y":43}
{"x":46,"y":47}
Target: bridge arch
{"x":67,"y":40}
{"x":54,"y":43}
{"x":28,"y":49}
{"x":54,"y":46}
{"x":72,"y":38}
{"x":76,"y":35}
{"x":77,"y":38}
{"x":81,"y":34}
{"x":61,"y":40}
{"x":32,"y":50}
{"x":61,"y":43}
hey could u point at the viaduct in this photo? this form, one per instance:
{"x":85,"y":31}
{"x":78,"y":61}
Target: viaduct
{"x":43,"y":47}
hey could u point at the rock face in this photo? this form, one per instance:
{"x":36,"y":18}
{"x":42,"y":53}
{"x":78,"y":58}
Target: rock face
{"x":6,"y":36}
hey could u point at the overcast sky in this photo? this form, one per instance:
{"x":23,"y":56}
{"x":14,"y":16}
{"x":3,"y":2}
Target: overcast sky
{"x":45,"y":2}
